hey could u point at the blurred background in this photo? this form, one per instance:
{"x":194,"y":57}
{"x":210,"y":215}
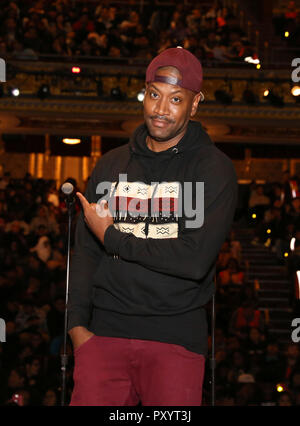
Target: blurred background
{"x":72,"y":86}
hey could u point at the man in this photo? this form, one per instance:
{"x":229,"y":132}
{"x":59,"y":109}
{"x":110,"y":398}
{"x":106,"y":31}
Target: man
{"x":141,"y":270}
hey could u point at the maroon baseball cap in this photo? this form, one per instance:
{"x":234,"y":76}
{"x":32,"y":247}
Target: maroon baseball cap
{"x":189,"y":66}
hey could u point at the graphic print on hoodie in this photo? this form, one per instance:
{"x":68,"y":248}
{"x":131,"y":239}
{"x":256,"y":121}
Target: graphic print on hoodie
{"x":146,"y":211}
{"x":145,"y":283}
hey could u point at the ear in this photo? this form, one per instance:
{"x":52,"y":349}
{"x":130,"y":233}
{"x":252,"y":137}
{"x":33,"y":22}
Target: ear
{"x":195,"y":103}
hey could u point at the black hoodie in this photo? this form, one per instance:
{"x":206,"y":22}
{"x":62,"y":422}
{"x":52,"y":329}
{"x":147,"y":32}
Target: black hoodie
{"x":155,"y":272}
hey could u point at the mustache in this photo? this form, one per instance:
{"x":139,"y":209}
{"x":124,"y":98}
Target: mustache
{"x":161,"y":118}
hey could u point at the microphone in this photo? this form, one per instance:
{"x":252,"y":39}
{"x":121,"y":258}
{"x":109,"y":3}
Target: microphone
{"x":68,"y":189}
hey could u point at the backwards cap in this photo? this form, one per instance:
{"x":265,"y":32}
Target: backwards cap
{"x":189,"y":66}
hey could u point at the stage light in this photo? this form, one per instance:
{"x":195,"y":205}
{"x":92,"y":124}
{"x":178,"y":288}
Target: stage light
{"x":15,"y":91}
{"x":298,"y":283}
{"x":279,"y":388}
{"x":76,"y":70}
{"x":116,"y":93}
{"x":292,"y":244}
{"x":71,"y":141}
{"x":273,"y":99}
{"x":252,"y":60}
{"x":223,"y":97}
{"x":295,"y":91}
{"x":141,"y":95}
{"x":44,"y":91}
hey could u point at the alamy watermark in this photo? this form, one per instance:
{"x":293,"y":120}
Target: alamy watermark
{"x":166,"y":199}
{"x":2,"y":71}
{"x":296,"y":72}
{"x":296,"y":332}
{"x":2,"y":331}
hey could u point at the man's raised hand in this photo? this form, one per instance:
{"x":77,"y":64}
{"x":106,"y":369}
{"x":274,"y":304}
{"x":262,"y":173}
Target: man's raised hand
{"x":97,"y":216}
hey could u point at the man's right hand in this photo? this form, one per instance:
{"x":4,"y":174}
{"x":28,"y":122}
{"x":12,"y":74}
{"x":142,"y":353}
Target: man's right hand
{"x":79,"y":335}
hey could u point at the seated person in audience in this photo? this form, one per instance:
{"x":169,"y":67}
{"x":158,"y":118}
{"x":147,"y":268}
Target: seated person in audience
{"x":229,"y":282}
{"x":223,"y":256}
{"x":255,"y":346}
{"x":232,"y":274}
{"x":43,"y":218}
{"x":245,"y":317}
{"x":235,"y":246}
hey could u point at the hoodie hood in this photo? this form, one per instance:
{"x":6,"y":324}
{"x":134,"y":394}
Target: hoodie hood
{"x":195,"y":137}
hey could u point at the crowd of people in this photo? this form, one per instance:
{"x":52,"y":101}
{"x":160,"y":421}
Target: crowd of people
{"x":33,"y":28}
{"x":33,"y":227}
{"x":253,"y":368}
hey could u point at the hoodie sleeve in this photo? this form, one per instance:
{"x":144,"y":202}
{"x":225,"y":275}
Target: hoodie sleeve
{"x":86,"y":258}
{"x":194,"y":252}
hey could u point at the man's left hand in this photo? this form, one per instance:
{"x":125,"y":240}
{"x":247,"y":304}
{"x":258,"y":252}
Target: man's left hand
{"x":97,"y":216}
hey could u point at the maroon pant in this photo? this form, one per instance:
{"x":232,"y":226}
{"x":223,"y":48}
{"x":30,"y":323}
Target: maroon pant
{"x":114,"y":371}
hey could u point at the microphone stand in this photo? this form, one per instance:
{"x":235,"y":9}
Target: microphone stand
{"x":64,"y":357}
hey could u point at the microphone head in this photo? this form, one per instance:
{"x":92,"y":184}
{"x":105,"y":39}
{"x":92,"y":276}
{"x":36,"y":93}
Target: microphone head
{"x":67,"y":188}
